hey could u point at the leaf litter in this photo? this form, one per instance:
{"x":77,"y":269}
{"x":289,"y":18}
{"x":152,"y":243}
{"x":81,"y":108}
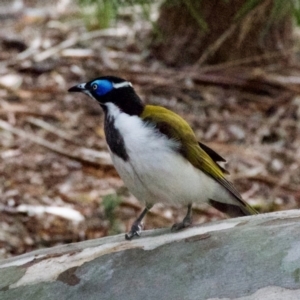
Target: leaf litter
{"x":58,"y":184}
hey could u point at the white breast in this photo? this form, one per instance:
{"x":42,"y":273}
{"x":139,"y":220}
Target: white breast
{"x":155,"y":172}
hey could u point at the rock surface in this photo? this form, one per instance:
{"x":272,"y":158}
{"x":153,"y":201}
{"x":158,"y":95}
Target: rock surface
{"x":247,"y":258}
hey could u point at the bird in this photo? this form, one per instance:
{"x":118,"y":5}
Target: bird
{"x":157,"y":154}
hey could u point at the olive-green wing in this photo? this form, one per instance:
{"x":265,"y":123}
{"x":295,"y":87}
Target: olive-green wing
{"x":199,"y":155}
{"x":175,"y":127}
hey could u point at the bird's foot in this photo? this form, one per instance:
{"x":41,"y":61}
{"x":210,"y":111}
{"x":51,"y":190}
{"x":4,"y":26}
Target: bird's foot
{"x":186,"y":222}
{"x":136,"y":229}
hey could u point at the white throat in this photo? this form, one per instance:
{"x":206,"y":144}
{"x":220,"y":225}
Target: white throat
{"x":113,"y":111}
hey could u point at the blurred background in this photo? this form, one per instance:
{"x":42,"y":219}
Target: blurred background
{"x":229,"y":67}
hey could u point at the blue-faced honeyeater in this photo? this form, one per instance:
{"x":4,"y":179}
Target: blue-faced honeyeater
{"x":157,"y":154}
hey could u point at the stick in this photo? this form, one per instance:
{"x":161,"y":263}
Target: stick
{"x":100,"y":158}
{"x":53,"y":129}
{"x":74,"y":40}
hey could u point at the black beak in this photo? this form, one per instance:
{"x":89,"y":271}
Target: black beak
{"x":77,"y":88}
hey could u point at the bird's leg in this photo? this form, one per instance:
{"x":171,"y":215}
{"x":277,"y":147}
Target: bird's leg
{"x":136,"y":227}
{"x":186,"y":222}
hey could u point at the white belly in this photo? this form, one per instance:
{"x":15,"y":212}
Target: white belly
{"x":165,"y":177}
{"x":155,"y":172}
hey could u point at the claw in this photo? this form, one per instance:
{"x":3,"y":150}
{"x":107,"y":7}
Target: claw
{"x":136,"y":229}
{"x":184,"y":224}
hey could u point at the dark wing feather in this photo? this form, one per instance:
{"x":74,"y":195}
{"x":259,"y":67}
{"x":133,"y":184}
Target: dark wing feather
{"x":214,"y":156}
{"x":231,"y":210}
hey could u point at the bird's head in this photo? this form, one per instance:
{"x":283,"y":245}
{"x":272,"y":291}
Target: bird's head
{"x":110,"y":89}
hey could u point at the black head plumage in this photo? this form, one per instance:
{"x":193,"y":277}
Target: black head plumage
{"x":111,"y":89}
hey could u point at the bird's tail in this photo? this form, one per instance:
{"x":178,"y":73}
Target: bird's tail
{"x":243,"y":209}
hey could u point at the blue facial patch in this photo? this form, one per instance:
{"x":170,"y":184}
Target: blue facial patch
{"x":101,"y":86}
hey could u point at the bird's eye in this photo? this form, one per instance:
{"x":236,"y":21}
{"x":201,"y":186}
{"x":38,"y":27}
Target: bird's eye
{"x":94,"y":87}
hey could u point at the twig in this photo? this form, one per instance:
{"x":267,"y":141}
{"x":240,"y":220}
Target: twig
{"x":53,"y":129}
{"x":247,"y":60}
{"x":100,"y":158}
{"x":57,"y":48}
{"x":268,"y":179}
{"x":286,"y":82}
{"x":216,"y":45}
{"x":213,"y":48}
{"x":74,"y":40}
{"x":20,"y":109}
{"x":32,"y":51}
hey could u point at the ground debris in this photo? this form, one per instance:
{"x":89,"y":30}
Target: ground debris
{"x":55,"y":172}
